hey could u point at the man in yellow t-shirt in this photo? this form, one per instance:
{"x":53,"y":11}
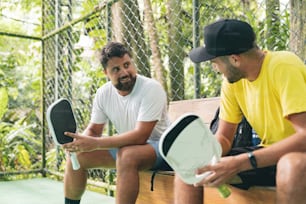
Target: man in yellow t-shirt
{"x":269,"y":89}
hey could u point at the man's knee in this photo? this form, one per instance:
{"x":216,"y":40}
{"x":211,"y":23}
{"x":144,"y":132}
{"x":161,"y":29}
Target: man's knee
{"x":179,"y":183}
{"x":126,"y":156}
{"x":292,"y":160}
{"x":185,"y":193}
{"x":291,"y":165}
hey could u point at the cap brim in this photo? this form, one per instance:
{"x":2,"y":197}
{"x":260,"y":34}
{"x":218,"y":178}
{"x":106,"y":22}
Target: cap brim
{"x":200,"y":54}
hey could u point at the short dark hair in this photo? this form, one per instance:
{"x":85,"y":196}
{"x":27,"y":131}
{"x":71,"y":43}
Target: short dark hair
{"x":113,"y":49}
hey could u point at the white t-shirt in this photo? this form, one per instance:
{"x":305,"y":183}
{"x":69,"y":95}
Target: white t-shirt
{"x":146,"y":102}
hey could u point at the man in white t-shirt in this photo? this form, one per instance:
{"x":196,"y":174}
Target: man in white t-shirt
{"x":137,"y":107}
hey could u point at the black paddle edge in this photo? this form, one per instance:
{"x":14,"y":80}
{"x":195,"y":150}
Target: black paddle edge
{"x":175,"y":132}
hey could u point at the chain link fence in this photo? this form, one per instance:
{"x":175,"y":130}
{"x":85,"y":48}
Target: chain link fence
{"x":159,"y":33}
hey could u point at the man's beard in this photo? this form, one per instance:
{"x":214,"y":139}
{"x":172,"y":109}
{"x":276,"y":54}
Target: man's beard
{"x":234,"y":74}
{"x":126,"y":86}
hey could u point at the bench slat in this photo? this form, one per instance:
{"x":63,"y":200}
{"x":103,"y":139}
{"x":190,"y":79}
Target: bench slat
{"x":205,"y":108}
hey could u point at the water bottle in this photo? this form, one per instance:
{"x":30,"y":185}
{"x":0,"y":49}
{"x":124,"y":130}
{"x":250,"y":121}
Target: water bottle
{"x":255,"y":138}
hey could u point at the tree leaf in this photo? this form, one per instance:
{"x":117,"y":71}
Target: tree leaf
{"x":3,"y":101}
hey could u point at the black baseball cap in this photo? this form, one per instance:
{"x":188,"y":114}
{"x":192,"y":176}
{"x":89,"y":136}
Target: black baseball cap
{"x":224,"y":37}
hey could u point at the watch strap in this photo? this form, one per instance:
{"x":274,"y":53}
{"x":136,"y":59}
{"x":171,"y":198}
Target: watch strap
{"x":252,"y":159}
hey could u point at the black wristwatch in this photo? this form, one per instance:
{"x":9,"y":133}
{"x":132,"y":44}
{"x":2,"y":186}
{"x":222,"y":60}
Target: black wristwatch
{"x":252,"y":160}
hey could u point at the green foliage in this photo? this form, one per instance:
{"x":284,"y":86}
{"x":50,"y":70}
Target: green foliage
{"x":210,"y":82}
{"x":22,"y":17}
{"x":20,"y":137}
{"x":55,"y":158}
{"x":278,"y":39}
{"x":3,"y":101}
{"x":7,"y":65}
{"x":19,"y":145}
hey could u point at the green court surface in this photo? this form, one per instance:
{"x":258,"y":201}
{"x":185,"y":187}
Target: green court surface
{"x":43,"y":191}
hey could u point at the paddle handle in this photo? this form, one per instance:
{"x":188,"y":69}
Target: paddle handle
{"x":74,"y":161}
{"x":224,"y":191}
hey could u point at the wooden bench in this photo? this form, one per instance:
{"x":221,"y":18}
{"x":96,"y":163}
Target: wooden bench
{"x":163,"y":181}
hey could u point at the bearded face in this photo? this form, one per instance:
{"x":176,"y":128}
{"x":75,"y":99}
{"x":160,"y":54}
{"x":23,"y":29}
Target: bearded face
{"x":126,"y":83}
{"x":229,"y":71}
{"x":233,"y":74}
{"x":122,"y":73}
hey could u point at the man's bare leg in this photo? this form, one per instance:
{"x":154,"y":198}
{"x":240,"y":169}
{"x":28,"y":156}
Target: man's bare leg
{"x":75,"y":180}
{"x":130,"y":160}
{"x":291,"y":179}
{"x":184,"y":193}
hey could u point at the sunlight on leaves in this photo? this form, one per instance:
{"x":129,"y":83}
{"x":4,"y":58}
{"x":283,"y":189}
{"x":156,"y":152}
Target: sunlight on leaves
{"x":3,"y":101}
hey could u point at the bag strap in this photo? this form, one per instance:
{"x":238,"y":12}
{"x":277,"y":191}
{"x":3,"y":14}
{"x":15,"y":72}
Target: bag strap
{"x":152,"y":179}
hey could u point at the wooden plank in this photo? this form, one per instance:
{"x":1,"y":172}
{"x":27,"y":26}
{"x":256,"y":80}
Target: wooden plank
{"x":163,"y":188}
{"x":205,"y":108}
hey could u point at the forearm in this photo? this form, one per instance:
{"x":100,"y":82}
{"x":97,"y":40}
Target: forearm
{"x":137,"y":136}
{"x":225,"y":144}
{"x":125,"y":139}
{"x":94,"y":130}
{"x":91,"y":132}
{"x":225,"y":135}
{"x":269,"y":156}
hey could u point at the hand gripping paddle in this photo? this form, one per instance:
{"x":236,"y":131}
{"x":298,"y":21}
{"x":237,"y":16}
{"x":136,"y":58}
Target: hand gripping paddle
{"x":60,"y":119}
{"x":187,"y":145}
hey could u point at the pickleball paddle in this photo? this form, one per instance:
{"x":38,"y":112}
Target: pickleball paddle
{"x":189,"y":144}
{"x":61,"y":119}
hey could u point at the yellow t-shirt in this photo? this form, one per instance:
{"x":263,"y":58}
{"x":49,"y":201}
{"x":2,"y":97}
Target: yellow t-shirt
{"x":279,"y":90}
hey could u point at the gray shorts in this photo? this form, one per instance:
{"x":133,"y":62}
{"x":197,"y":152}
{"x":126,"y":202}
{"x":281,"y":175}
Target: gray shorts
{"x":160,"y":163}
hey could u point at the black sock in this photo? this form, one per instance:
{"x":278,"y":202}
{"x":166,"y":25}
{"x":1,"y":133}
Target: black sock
{"x":69,"y":201}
